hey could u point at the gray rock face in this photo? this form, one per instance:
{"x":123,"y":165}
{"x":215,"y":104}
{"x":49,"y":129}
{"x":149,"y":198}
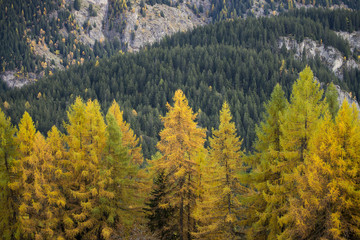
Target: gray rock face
{"x":353,"y":39}
{"x":15,"y":80}
{"x":348,"y":96}
{"x":96,"y":22}
{"x":332,"y":57}
{"x":153,"y":27}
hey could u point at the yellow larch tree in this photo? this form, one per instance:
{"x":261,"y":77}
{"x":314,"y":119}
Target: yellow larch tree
{"x":298,"y":124}
{"x":181,"y":141}
{"x":36,"y":216}
{"x":56,"y":174}
{"x":267,"y":166}
{"x":219,"y":212}
{"x":25,"y":140}
{"x":328,"y":206}
{"x":8,"y":206}
{"x":129,"y":139}
{"x":86,"y":138}
{"x":120,"y":200}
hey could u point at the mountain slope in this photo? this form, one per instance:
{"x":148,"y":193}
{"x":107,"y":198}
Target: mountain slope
{"x":238,"y":61}
{"x":45,"y":36}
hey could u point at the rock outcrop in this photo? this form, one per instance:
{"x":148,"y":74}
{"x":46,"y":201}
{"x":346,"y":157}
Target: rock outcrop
{"x":342,"y":95}
{"x":160,"y":21}
{"x":331,"y":56}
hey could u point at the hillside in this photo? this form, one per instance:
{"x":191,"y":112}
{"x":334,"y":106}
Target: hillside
{"x":230,"y":130}
{"x":51,"y":35}
{"x":239,"y":61}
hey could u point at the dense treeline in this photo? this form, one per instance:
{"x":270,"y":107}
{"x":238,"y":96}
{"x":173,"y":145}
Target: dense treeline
{"x":147,"y":81}
{"x":301,"y":181}
{"x":229,"y":9}
{"x":85,"y":184}
{"x":264,"y":32}
{"x":28,"y":25}
{"x":238,"y":60}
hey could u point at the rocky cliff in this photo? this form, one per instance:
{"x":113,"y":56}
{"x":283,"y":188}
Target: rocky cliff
{"x":330,"y":56}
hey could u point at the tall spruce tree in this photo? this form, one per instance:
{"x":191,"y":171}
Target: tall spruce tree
{"x":159,"y":208}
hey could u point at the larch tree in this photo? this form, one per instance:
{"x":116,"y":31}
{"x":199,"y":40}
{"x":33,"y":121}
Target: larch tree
{"x":328,"y":206}
{"x":25,"y":140}
{"x":8,"y":205}
{"x":86,"y":138}
{"x":118,"y":190}
{"x":331,"y":95}
{"x":129,"y":139}
{"x":219,"y":210}
{"x":267,"y":167}
{"x":181,"y":140}
{"x":57,"y":175}
{"x":33,"y":164}
{"x":298,"y":123}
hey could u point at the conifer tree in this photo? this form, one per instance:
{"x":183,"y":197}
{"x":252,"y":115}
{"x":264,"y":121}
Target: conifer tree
{"x":25,"y":140}
{"x":299,"y":122}
{"x":7,"y":199}
{"x":86,"y":139}
{"x":219,"y":212}
{"x":129,"y":139}
{"x":118,"y":189}
{"x":36,"y":215}
{"x":328,"y":206}
{"x":331,"y":95}
{"x":159,"y":209}
{"x":267,"y":167}
{"x":180,"y":141}
{"x":57,"y":175}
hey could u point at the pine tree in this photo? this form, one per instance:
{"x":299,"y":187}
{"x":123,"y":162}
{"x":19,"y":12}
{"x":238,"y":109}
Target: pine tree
{"x":180,"y":141}
{"x":86,"y":139}
{"x":267,"y":167}
{"x":328,"y":206}
{"x":7,"y":199}
{"x":129,"y":139}
{"x":219,"y":212}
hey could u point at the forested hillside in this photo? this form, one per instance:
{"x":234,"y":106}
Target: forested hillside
{"x":40,"y":37}
{"x":237,"y":61}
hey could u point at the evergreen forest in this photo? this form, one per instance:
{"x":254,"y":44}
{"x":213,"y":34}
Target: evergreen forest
{"x":215,"y":133}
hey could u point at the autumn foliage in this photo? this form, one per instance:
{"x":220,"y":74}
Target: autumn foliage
{"x":92,"y":182}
